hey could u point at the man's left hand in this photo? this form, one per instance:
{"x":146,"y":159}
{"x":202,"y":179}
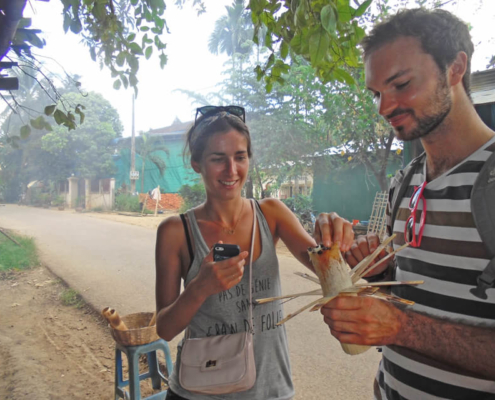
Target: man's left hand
{"x":363,"y":320}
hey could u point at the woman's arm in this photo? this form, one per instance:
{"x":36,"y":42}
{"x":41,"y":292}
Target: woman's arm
{"x":175,"y":310}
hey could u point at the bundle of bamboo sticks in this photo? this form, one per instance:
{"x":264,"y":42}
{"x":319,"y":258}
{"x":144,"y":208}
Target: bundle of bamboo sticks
{"x":337,"y":279}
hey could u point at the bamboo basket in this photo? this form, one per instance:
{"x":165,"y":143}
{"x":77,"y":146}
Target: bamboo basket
{"x":138,"y":331}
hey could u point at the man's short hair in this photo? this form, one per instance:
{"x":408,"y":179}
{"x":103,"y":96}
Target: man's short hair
{"x":441,"y":34}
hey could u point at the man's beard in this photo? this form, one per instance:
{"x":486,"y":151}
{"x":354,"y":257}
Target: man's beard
{"x":441,"y":103}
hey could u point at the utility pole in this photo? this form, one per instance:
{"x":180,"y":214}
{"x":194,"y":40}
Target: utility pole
{"x":133,"y":151}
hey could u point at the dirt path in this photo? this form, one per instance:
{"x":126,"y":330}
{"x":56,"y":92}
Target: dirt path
{"x":49,"y":350}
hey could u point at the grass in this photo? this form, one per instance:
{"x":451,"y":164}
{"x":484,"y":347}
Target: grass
{"x":14,"y":257}
{"x":71,"y":298}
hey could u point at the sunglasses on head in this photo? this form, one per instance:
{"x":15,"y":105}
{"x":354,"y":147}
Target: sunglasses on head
{"x":212,"y":110}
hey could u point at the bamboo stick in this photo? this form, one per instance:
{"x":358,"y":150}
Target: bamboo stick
{"x":389,"y":283}
{"x":307,"y":276}
{"x":290,"y":316}
{"x":288,"y":296}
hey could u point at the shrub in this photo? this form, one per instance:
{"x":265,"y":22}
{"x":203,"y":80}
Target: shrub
{"x":17,"y":257}
{"x":127,"y":202}
{"x":71,"y":298}
{"x":192,"y":195}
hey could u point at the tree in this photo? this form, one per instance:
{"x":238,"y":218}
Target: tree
{"x":57,"y":154}
{"x":118,"y":35}
{"x":325,"y":33}
{"x":147,"y":148}
{"x":232,"y":35}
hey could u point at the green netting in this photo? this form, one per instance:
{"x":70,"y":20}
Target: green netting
{"x":176,"y":173}
{"x":350,"y":192}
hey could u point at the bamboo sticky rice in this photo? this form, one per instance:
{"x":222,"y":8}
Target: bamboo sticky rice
{"x":113,"y":319}
{"x":337,"y":279}
{"x":333,"y":273}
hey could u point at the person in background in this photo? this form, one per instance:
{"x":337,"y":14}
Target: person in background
{"x":417,"y":65}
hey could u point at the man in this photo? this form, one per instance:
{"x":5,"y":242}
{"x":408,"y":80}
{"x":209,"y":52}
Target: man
{"x":417,"y":65}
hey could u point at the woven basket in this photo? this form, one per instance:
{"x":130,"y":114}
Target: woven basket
{"x":138,"y":333}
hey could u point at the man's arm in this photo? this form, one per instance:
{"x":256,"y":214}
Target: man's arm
{"x":469,"y":347}
{"x":373,"y":322}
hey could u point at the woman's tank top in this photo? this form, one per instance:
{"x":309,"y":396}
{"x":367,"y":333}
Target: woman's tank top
{"x":227,"y":312}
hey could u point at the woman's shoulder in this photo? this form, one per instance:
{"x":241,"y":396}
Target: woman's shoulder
{"x":270,"y":205}
{"x":171,"y":229}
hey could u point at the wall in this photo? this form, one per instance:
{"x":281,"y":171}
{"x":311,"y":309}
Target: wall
{"x":350,"y":191}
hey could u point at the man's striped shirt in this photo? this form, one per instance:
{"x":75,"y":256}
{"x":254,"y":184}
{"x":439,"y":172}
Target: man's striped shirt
{"x":450,"y":258}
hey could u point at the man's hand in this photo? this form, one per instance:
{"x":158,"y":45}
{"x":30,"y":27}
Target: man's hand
{"x":362,"y":247}
{"x":363,"y":320}
{"x":330,"y":228}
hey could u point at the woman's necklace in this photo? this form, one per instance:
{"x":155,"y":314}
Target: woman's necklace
{"x":232,"y":230}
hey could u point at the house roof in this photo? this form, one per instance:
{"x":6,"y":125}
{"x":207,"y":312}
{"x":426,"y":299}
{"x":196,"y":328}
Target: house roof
{"x":483,"y":86}
{"x":172,"y":130}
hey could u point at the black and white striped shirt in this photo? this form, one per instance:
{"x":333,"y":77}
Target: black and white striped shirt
{"x":450,"y":258}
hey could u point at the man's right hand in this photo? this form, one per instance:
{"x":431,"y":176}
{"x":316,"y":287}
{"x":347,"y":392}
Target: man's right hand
{"x":363,"y":246}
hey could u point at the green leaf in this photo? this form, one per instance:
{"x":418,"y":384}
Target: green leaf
{"x":116,"y":84}
{"x":329,"y":19}
{"x":59,"y":116}
{"x":148,"y":52}
{"x":284,"y":50}
{"x":120,"y":60}
{"x":135,"y":48}
{"x":25,"y":131}
{"x":363,"y":7}
{"x":92,"y":52}
{"x":75,"y":26}
{"x":124,"y":80}
{"x":131,"y":37}
{"x":133,"y":79}
{"x":67,"y":21}
{"x":38,"y":123}
{"x":318,"y":46}
{"x":144,"y":29}
{"x":50,"y":109}
{"x":346,"y":12}
{"x":297,"y":42}
{"x":163,"y":60}
{"x":343,"y":76}
{"x":133,"y":62}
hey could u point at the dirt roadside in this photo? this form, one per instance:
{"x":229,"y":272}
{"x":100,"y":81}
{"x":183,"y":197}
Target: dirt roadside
{"x":52,"y":351}
{"x":49,"y":350}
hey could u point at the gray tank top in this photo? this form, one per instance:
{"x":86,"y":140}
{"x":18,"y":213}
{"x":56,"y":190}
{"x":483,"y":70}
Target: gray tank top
{"x":227,"y":312}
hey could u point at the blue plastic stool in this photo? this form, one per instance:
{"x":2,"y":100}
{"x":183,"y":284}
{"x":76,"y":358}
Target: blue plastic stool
{"x":133,"y":353}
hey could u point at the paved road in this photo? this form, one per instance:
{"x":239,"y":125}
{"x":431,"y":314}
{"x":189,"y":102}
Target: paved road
{"x":112,"y":263}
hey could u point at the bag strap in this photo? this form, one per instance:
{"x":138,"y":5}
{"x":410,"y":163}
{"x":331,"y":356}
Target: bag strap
{"x":402,"y":178}
{"x":188,"y":239}
{"x":483,"y":209}
{"x":251,"y":329}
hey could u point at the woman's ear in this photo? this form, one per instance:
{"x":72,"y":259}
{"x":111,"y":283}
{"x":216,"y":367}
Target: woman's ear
{"x":195,"y":166}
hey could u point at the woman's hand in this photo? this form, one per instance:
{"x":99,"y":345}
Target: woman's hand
{"x":217,"y":276}
{"x":330,"y":228}
{"x":362,"y":247}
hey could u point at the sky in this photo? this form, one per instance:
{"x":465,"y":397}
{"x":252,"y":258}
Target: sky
{"x":190,"y":65}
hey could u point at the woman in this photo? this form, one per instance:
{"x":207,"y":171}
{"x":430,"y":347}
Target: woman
{"x":214,"y":300}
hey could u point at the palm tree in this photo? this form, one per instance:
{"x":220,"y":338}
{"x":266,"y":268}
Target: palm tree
{"x":147,"y":149}
{"x":232,"y":34}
